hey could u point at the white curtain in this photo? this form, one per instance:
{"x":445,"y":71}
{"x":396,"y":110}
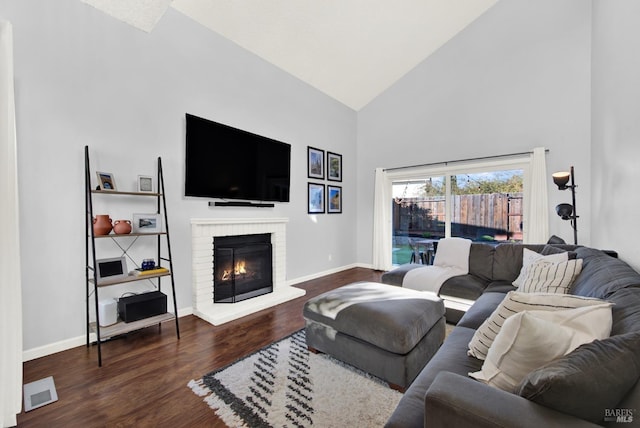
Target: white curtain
{"x":382,"y":222}
{"x":10,"y":294}
{"x":536,"y":202}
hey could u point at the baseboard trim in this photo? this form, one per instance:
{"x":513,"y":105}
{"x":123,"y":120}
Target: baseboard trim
{"x":63,"y":345}
{"x":52,"y":348}
{"x":74,"y":342}
{"x":321,"y":274}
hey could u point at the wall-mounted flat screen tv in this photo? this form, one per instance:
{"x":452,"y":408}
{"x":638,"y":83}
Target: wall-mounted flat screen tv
{"x":224,"y":162}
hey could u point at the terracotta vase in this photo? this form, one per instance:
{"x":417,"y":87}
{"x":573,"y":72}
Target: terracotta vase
{"x":122,"y":227}
{"x":102,"y":224}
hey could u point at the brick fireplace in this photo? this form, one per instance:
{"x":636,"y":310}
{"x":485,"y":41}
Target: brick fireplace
{"x":203,"y":232}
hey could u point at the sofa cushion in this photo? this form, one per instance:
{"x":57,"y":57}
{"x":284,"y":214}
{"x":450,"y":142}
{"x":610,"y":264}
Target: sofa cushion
{"x":592,"y":378}
{"x":396,"y":276}
{"x":451,"y":357}
{"x":524,"y":342}
{"x":481,"y":261}
{"x":507,"y":262}
{"x":602,"y":274}
{"x":455,"y":401}
{"x":463,"y":286}
{"x":555,"y":249}
{"x":499,"y":287}
{"x":480,"y":311}
{"x":630,"y":401}
{"x":516,"y":302}
{"x":626,"y":315}
{"x":546,"y":277}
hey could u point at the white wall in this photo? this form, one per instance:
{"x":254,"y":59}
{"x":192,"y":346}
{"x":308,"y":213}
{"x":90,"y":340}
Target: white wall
{"x":517,"y":78}
{"x":616,"y":127}
{"x":84,"y":78}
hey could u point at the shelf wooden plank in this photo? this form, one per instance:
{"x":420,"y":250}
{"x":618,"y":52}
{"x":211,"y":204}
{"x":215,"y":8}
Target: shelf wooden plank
{"x":118,"y":192}
{"x":122,"y":327}
{"x":122,"y":235}
{"x":130,"y":278}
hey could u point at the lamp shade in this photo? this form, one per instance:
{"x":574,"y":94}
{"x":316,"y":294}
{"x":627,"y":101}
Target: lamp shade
{"x":561,"y":179}
{"x":565,"y":211}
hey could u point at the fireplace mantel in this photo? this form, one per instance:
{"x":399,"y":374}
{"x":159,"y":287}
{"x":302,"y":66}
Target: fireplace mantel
{"x":202,"y":233}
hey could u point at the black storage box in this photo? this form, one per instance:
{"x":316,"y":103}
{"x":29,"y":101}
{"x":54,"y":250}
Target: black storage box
{"x":140,"y":306}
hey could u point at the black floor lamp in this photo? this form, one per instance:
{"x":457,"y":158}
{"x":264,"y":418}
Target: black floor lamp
{"x":567,"y":211}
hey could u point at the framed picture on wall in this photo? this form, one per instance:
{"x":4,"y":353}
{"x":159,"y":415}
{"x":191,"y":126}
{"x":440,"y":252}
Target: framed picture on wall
{"x":315,"y":163}
{"x":334,"y":199}
{"x":315,"y":198}
{"x":334,"y":167}
{"x":145,"y":183}
{"x":106,"y":180}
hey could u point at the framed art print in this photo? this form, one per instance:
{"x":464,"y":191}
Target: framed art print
{"x":106,"y":180}
{"x":111,"y":269}
{"x":316,"y":198}
{"x":315,"y":163}
{"x":334,"y":199}
{"x":145,"y":183}
{"x":334,"y":167}
{"x":147,"y":223}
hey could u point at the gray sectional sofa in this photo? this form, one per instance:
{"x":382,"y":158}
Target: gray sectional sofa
{"x":443,"y":395}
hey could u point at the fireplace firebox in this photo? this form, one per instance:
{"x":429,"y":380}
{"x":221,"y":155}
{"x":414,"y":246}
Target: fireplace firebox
{"x":242,"y":267}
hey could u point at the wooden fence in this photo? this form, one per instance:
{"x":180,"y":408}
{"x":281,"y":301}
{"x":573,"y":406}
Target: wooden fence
{"x":497,"y":215}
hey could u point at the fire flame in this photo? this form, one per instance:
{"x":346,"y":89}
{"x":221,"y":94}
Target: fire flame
{"x":240,"y":269}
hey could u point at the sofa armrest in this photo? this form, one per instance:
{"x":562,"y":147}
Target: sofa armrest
{"x":457,"y":401}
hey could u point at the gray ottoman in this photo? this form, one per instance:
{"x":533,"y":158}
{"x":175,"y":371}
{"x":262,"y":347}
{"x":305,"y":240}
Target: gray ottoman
{"x":387,"y":331}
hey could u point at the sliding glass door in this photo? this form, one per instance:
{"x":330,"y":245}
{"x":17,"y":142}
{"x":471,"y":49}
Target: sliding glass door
{"x":418,"y":218}
{"x":487,"y":206}
{"x":484,"y":206}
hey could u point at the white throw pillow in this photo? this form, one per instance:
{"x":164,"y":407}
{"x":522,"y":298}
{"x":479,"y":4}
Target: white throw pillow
{"x":453,"y":252}
{"x":515,"y":302}
{"x":529,"y":257}
{"x":546,"y":277}
{"x":530,"y":339}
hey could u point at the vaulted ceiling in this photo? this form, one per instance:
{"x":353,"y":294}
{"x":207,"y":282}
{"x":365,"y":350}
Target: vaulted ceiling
{"x":352,"y":50}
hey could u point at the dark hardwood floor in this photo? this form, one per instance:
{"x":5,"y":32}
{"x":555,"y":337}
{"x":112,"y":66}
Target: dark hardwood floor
{"x":143,"y":380}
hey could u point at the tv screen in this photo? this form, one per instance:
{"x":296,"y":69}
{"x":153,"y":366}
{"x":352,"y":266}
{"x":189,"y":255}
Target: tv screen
{"x":228,"y":163}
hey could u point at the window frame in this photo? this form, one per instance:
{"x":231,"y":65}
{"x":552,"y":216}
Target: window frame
{"x":447,"y":169}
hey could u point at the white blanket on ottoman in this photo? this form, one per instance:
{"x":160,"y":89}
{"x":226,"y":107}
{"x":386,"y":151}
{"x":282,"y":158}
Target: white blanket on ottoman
{"x":452,"y":259}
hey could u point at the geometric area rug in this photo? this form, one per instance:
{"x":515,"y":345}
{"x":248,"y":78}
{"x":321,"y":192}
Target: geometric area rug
{"x":285,"y":385}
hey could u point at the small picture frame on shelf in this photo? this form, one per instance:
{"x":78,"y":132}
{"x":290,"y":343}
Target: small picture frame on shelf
{"x":315,"y":163}
{"x":145,"y":183}
{"x":111,"y":269}
{"x":106,"y":181}
{"x":316,"y":198}
{"x":334,"y":199}
{"x":147,"y":223}
{"x":334,"y":167}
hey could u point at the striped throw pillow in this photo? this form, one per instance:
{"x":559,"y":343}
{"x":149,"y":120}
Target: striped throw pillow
{"x":529,"y":257}
{"x":547,"y":277}
{"x":515,"y":302}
